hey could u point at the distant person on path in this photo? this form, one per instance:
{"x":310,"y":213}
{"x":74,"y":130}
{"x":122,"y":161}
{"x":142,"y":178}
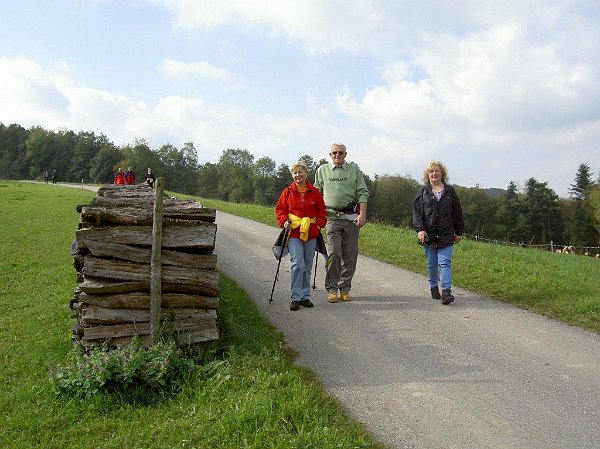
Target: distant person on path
{"x":301,"y":208}
{"x":120,"y":177}
{"x":54,"y":177}
{"x":438,"y":220}
{"x":129,"y":176}
{"x":149,"y":178}
{"x":46,"y":176}
{"x":345,"y":193}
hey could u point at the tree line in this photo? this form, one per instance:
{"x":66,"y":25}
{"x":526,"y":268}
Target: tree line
{"x":533,"y":214}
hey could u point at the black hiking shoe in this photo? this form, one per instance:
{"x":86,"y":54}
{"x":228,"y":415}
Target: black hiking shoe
{"x":435,"y":293}
{"x":306,"y":303}
{"x":447,"y":297}
{"x":294,"y":305}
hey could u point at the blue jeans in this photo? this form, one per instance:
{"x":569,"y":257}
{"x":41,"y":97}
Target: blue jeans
{"x":301,"y":255}
{"x":439,"y":266}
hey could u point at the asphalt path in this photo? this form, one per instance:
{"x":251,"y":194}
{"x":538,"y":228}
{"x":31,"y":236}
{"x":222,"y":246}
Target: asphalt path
{"x":417,"y":374}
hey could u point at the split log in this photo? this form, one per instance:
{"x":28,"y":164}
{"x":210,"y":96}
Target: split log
{"x":95,"y":267}
{"x":117,"y":330}
{"x":196,"y":336}
{"x":101,"y":315}
{"x":130,"y":216}
{"x":98,"y":286}
{"x":198,"y":237}
{"x":142,"y":201}
{"x":142,"y":301}
{"x":142,"y":255}
{"x":192,"y":333}
{"x":146,"y":342}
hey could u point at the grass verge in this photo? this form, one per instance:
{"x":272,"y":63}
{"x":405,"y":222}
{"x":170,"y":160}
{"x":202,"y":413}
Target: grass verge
{"x":251,"y":396}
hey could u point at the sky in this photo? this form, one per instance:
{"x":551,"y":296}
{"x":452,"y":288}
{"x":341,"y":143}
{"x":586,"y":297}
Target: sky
{"x":499,"y":90}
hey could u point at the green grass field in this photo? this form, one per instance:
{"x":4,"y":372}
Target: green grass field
{"x":254,"y":397}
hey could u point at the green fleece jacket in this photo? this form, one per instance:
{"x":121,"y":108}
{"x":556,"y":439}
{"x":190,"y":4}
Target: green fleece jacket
{"x":340,"y":185}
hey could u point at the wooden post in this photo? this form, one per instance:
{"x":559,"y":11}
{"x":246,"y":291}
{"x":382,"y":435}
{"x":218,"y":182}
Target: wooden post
{"x":156,"y":261}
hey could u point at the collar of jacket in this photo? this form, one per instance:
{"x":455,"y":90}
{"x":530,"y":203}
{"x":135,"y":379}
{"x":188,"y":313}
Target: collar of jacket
{"x":447,"y":187}
{"x":343,"y":166}
{"x":294,"y":187}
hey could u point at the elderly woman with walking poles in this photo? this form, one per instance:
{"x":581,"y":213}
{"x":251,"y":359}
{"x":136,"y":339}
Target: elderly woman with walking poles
{"x":438,"y":220}
{"x":301,"y":209}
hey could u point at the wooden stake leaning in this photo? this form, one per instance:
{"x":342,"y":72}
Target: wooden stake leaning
{"x":156,"y":262}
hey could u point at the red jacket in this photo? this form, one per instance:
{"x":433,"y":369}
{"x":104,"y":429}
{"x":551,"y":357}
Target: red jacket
{"x":120,"y":178}
{"x":129,"y":178}
{"x":312,"y":206}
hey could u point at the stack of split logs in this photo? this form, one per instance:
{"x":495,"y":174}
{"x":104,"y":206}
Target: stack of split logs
{"x":112,"y":255}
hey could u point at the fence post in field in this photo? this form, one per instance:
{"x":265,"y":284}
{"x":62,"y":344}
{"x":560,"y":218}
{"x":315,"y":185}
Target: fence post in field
{"x":156,"y":262}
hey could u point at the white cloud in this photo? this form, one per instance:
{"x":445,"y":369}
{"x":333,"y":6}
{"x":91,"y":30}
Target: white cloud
{"x":318,"y":26}
{"x":507,"y":88}
{"x":179,"y":69}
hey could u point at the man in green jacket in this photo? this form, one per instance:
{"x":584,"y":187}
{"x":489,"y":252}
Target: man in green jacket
{"x":345,"y":193}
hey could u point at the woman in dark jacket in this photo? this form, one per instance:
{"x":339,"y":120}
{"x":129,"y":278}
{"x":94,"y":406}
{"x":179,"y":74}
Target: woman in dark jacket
{"x":301,"y":209}
{"x":438,"y":220}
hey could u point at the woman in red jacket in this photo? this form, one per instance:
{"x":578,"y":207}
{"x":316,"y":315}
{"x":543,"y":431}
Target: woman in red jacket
{"x":120,"y":177}
{"x":301,"y":209}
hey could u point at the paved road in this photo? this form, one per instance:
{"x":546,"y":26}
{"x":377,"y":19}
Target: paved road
{"x":476,"y":374}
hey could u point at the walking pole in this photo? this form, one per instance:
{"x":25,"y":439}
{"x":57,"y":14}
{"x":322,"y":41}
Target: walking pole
{"x":285,"y":239}
{"x":315,"y":278}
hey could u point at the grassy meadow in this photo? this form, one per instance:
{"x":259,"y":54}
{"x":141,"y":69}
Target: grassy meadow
{"x":561,"y":286}
{"x":252,"y":397}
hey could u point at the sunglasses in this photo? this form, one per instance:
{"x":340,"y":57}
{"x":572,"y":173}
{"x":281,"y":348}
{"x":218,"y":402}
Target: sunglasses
{"x":337,"y":152}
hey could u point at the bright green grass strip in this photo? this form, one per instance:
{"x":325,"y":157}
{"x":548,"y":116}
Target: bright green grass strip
{"x":254,"y":398}
{"x":565,"y":287}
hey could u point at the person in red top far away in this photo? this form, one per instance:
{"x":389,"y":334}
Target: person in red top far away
{"x":301,"y":209}
{"x":120,"y":177}
{"x":129,"y":176}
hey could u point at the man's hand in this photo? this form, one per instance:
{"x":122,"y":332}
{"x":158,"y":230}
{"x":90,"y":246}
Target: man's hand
{"x":421,"y":236}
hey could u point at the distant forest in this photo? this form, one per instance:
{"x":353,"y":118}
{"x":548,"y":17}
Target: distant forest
{"x":534,"y":215}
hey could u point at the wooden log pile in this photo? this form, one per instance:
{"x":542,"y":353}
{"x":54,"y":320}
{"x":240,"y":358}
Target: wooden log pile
{"x":112,"y":255}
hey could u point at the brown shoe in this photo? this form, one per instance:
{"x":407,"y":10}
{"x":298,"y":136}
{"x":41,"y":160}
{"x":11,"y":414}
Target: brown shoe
{"x":332,"y":297}
{"x":345,"y":296}
{"x":447,"y":297}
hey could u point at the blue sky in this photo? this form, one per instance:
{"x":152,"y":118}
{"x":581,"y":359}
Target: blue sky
{"x":497,"y":90}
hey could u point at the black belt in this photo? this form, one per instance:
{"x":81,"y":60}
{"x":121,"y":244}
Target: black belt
{"x":344,"y":210}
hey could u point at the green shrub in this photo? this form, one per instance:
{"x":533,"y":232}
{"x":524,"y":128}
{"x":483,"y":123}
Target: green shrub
{"x":128,"y":368}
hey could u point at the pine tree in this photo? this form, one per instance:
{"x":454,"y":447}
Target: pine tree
{"x":583,"y":231}
{"x":583,"y":181}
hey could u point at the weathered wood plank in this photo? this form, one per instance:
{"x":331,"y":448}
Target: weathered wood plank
{"x":130,"y":190}
{"x":198,"y":237}
{"x":197,"y":336}
{"x":129,"y":271}
{"x":132,"y":201}
{"x":99,"y":286}
{"x":130,"y":216}
{"x":117,"y":330}
{"x":91,"y":285}
{"x":141,"y":254}
{"x":146,"y":342}
{"x":139,"y":300}
{"x":156,"y":261}
{"x":100,"y":315}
